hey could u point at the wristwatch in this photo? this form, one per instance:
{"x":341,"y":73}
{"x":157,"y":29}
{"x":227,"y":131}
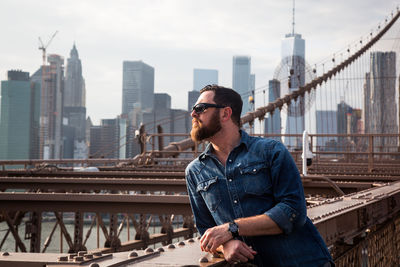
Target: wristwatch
{"x":234,"y":229}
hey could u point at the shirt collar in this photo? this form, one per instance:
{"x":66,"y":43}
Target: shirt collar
{"x":244,"y":139}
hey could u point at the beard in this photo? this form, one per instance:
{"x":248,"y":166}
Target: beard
{"x":201,"y":132}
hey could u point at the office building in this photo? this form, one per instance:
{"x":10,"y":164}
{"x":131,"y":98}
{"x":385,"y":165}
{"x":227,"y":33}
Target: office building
{"x":19,"y":117}
{"x":51,"y":79}
{"x":273,"y":122}
{"x":137,"y":86}
{"x":293,"y":59}
{"x":327,"y":123}
{"x":380,"y":99}
{"x":203,"y":77}
{"x":74,"y":108}
{"x":74,"y":91}
{"x":192,"y":98}
{"x":162,"y":101}
{"x":241,"y":81}
{"x":104,"y":139}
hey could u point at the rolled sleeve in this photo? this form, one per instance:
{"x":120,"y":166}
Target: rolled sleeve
{"x":290,"y":210}
{"x":284,"y":217}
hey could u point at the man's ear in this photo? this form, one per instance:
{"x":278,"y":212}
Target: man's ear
{"x":226,"y":114}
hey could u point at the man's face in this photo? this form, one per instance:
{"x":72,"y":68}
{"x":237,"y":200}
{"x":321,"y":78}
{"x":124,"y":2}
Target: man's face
{"x":207,"y":123}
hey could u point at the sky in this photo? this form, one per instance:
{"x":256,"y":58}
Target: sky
{"x":174,"y":37}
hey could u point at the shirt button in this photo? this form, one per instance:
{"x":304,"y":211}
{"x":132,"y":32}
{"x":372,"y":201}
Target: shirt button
{"x":230,"y":160}
{"x":254,"y":170}
{"x":235,"y":201}
{"x":230,"y":180}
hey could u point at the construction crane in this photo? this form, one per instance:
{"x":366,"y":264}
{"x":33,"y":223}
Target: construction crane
{"x":44,"y":47}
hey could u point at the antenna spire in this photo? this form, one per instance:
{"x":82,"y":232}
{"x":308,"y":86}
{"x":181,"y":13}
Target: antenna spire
{"x":293,"y":23}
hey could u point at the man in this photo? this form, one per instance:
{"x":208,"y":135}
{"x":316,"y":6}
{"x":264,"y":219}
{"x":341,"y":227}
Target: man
{"x":246,"y":192}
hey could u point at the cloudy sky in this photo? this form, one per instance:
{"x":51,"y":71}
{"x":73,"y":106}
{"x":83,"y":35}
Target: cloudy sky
{"x":176,"y":36}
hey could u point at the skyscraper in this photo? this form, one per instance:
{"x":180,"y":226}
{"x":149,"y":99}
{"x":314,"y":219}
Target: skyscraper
{"x":75,"y":92}
{"x":192,"y":98}
{"x":19,"y":119}
{"x":273,"y":122}
{"x":203,"y":77}
{"x":380,"y":98}
{"x":51,"y":79}
{"x":293,"y":53}
{"x":241,"y":80}
{"x":74,"y":107}
{"x":137,"y":86}
{"x":326,"y":123}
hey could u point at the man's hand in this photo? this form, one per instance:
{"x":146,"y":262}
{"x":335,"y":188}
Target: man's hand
{"x":214,"y":237}
{"x":237,"y":251}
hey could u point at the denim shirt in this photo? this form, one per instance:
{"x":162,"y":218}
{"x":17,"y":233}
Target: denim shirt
{"x":260,"y":177}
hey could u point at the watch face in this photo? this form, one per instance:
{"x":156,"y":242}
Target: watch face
{"x":233,"y":228}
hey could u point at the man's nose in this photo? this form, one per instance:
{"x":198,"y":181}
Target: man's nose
{"x":193,"y":114}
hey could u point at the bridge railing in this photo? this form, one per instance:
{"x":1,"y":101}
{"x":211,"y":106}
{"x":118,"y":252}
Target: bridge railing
{"x":370,"y":151}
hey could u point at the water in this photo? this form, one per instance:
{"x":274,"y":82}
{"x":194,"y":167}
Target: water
{"x":54,"y":246}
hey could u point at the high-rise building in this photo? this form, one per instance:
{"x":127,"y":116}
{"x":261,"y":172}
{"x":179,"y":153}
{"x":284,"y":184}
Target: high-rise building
{"x":74,"y":91}
{"x":74,"y":108}
{"x":19,"y":119}
{"x":51,"y":79}
{"x":162,"y":101}
{"x":273,"y":122}
{"x":380,"y":99}
{"x":326,"y":123}
{"x":104,"y":139}
{"x":203,"y":77}
{"x":137,"y":86}
{"x":192,"y":98}
{"x":293,"y":53}
{"x":241,"y":80}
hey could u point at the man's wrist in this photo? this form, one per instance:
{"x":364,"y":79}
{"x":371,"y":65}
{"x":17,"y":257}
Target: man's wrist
{"x":233,"y":228}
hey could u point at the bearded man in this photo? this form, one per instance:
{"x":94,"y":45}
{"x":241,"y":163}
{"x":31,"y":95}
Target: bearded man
{"x":246,"y":192}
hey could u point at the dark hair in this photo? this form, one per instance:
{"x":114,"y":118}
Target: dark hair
{"x":226,"y":97}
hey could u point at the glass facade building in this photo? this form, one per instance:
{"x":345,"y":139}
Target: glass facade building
{"x":241,"y":80}
{"x":137,"y":86}
{"x":203,"y":77}
{"x":19,"y":119}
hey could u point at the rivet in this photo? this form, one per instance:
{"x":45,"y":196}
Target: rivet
{"x":149,"y":250}
{"x":191,"y":240}
{"x":133,"y":254}
{"x":81,"y":253}
{"x":181,"y":243}
{"x":78,"y":258}
{"x":94,"y":265}
{"x":171,"y":246}
{"x":97,"y":254}
{"x":62,"y":258}
{"x":5,"y":254}
{"x":203,"y":259}
{"x":160,"y":250}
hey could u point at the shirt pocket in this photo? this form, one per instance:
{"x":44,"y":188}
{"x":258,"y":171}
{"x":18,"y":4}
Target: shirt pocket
{"x":210,"y":192}
{"x":256,"y":179}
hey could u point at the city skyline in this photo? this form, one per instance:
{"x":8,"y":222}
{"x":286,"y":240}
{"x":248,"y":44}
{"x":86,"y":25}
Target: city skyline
{"x":104,"y":40}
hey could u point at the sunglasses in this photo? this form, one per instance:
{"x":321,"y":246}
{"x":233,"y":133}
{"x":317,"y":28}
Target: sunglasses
{"x":201,"y":107}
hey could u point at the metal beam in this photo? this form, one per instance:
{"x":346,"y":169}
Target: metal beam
{"x":86,"y":202}
{"x":121,"y":184}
